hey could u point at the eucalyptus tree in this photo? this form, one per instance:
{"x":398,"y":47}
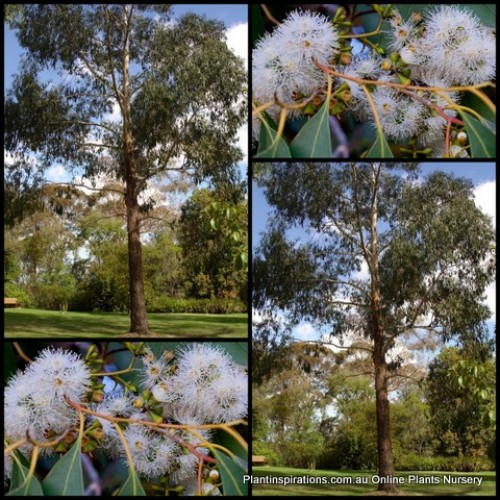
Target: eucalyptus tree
{"x":368,"y":249}
{"x":152,"y":94}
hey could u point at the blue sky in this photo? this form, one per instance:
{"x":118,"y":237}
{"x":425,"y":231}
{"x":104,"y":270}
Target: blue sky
{"x":483,"y":175}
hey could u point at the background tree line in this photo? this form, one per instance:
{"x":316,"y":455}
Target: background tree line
{"x":71,"y":251}
{"x":313,"y":413}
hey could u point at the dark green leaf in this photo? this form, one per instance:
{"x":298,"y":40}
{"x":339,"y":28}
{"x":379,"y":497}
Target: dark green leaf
{"x":314,"y":138}
{"x":225,"y":439}
{"x":267,"y":143}
{"x":20,"y":487}
{"x":482,"y":140}
{"x":231,"y":473}
{"x":19,"y":471}
{"x":380,"y":148}
{"x":237,"y":350}
{"x":66,"y":477}
{"x":257,"y":24}
{"x":487,"y":13}
{"x":132,"y":487}
{"x":9,"y":365}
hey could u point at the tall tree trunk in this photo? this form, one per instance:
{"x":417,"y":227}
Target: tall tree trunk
{"x":384,"y":444}
{"x":138,"y":315}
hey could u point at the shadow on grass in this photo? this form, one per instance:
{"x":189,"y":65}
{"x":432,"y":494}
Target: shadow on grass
{"x":487,"y":487}
{"x":39,"y":323}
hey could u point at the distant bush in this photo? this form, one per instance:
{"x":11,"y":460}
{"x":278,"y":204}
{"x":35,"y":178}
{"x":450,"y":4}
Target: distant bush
{"x":412,"y":462}
{"x":264,"y":449}
{"x":18,"y":292}
{"x":201,"y":306}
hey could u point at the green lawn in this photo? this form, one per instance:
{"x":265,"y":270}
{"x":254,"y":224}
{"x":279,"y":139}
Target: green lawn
{"x":38,"y":323}
{"x":487,"y":487}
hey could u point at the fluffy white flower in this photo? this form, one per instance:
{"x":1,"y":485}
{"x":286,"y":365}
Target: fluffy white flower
{"x":34,"y":399}
{"x":153,"y":454}
{"x":58,"y":373}
{"x":282,"y":64}
{"x":400,"y":116}
{"x":304,"y":36}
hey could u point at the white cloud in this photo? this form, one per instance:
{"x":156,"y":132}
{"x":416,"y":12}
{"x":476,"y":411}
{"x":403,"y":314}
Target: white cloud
{"x":304,"y":331}
{"x":237,"y":40}
{"x":485,"y":198}
{"x":57,"y":173}
{"x":491,"y":300}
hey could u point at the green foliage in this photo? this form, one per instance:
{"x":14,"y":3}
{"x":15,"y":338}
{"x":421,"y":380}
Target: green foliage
{"x":213,"y":236}
{"x":198,"y":306}
{"x":314,"y":139}
{"x":132,"y":486}
{"x":458,"y":403}
{"x":270,"y":145}
{"x":380,"y":148}
{"x":22,"y":483}
{"x":264,"y":449}
{"x":482,"y":136}
{"x":414,"y":462}
{"x":66,"y":477}
{"x":231,"y":473}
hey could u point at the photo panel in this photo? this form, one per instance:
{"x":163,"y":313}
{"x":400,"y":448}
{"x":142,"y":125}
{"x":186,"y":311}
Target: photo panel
{"x":127,"y":418}
{"x":374,"y":81}
{"x":373,"y":339}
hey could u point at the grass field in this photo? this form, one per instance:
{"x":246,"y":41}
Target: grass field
{"x":38,"y":323}
{"x":337,"y":484}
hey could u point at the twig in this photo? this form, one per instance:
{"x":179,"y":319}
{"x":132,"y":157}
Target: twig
{"x":268,"y":14}
{"x":19,"y":351}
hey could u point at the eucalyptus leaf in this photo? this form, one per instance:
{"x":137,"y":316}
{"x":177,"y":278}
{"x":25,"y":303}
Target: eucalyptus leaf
{"x":267,"y":142}
{"x":380,"y":148}
{"x":487,"y":13}
{"x":19,"y":473}
{"x":257,"y":24}
{"x":238,"y":351}
{"x":225,"y":439}
{"x":20,"y":485}
{"x":314,"y":138}
{"x":231,"y":473}
{"x":132,"y":487}
{"x":482,"y":140}
{"x":66,"y":477}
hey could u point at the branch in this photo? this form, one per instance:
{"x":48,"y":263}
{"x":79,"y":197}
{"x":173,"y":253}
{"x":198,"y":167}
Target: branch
{"x":119,"y":95}
{"x":359,"y":374}
{"x":95,"y":485}
{"x":342,"y":150}
{"x":331,"y":280}
{"x":410,"y":377}
{"x":93,"y":71}
{"x":97,"y":145}
{"x":353,"y":346}
{"x":345,"y":303}
{"x":366,"y":252}
{"x":72,"y":184}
